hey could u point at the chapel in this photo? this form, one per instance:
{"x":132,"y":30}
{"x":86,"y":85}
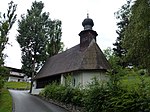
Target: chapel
{"x":81,"y":62}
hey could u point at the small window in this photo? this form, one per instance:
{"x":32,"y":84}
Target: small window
{"x":74,"y":82}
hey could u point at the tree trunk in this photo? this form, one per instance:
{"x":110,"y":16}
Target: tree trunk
{"x":33,"y":67}
{"x":31,"y":82}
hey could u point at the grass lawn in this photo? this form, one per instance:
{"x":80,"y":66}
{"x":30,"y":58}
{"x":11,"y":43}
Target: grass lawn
{"x":5,"y":101}
{"x":133,"y":81}
{"x":18,"y":85}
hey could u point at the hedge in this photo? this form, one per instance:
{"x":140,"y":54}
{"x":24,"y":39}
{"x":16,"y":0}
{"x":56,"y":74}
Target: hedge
{"x":98,"y":97}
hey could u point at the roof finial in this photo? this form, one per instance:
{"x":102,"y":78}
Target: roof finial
{"x":87,"y":15}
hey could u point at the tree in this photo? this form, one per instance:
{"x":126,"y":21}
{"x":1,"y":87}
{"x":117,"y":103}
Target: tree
{"x":137,"y":35}
{"x":6,"y":22}
{"x":39,"y":37}
{"x":112,"y":59}
{"x":123,"y":16}
{"x":54,"y":42}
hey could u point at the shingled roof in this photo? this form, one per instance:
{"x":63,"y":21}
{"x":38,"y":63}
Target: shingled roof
{"x":75,"y":59}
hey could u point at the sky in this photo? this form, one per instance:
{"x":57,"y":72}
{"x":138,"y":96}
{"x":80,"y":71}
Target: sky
{"x":71,"y":13}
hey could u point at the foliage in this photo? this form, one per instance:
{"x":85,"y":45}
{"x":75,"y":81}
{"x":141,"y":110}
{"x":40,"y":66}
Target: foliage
{"x":4,"y":72}
{"x":115,"y":97}
{"x":1,"y":84}
{"x":125,"y":99}
{"x":122,"y":15}
{"x":17,"y":85}
{"x":5,"y":101}
{"x":134,"y":78}
{"x":54,"y":44}
{"x":113,"y":60}
{"x":96,"y":97}
{"x":118,"y":95}
{"x":39,"y":37}
{"x":64,"y":94}
{"x":108,"y":53}
{"x":6,"y":22}
{"x":137,"y":34}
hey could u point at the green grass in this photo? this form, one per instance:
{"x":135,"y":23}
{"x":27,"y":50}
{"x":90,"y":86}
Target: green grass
{"x":133,"y":81}
{"x":17,"y":85}
{"x":5,"y":101}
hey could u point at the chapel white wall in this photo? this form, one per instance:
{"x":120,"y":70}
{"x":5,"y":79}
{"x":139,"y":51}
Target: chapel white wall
{"x":35,"y":91}
{"x":84,"y":78}
{"x":88,"y":77}
{"x":15,"y":79}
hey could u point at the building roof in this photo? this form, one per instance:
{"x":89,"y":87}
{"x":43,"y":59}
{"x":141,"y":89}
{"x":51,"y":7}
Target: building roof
{"x":15,"y":70}
{"x":75,"y":59}
{"x":19,"y":76}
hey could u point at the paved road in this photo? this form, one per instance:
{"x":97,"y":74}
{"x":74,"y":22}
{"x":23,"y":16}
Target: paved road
{"x":24,"y":102}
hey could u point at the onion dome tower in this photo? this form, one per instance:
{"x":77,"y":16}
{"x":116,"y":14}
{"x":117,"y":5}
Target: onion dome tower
{"x":88,"y":23}
{"x":87,"y":35}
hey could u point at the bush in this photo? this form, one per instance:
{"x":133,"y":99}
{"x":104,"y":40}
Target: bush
{"x":133,"y":100}
{"x":64,"y":94}
{"x":112,"y":96}
{"x":78,"y":97}
{"x":96,"y":99}
{"x":4,"y":72}
{"x":1,"y":84}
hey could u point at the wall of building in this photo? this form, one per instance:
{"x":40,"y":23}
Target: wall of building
{"x":83,"y":78}
{"x":16,"y":73}
{"x":39,"y":84}
{"x":35,"y":91}
{"x":77,"y":79}
{"x":15,"y":79}
{"x":88,"y":77}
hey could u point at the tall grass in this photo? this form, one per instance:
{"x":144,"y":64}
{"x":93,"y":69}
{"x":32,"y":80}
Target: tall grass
{"x":5,"y":101}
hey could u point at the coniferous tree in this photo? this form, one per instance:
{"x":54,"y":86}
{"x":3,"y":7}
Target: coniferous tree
{"x":39,"y":37}
{"x":123,"y":16}
{"x":137,"y":34}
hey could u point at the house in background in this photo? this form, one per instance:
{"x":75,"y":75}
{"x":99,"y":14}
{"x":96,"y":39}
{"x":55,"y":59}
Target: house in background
{"x":81,"y":62}
{"x":17,"y":75}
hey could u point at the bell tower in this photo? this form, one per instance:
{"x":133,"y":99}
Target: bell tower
{"x":87,"y":35}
